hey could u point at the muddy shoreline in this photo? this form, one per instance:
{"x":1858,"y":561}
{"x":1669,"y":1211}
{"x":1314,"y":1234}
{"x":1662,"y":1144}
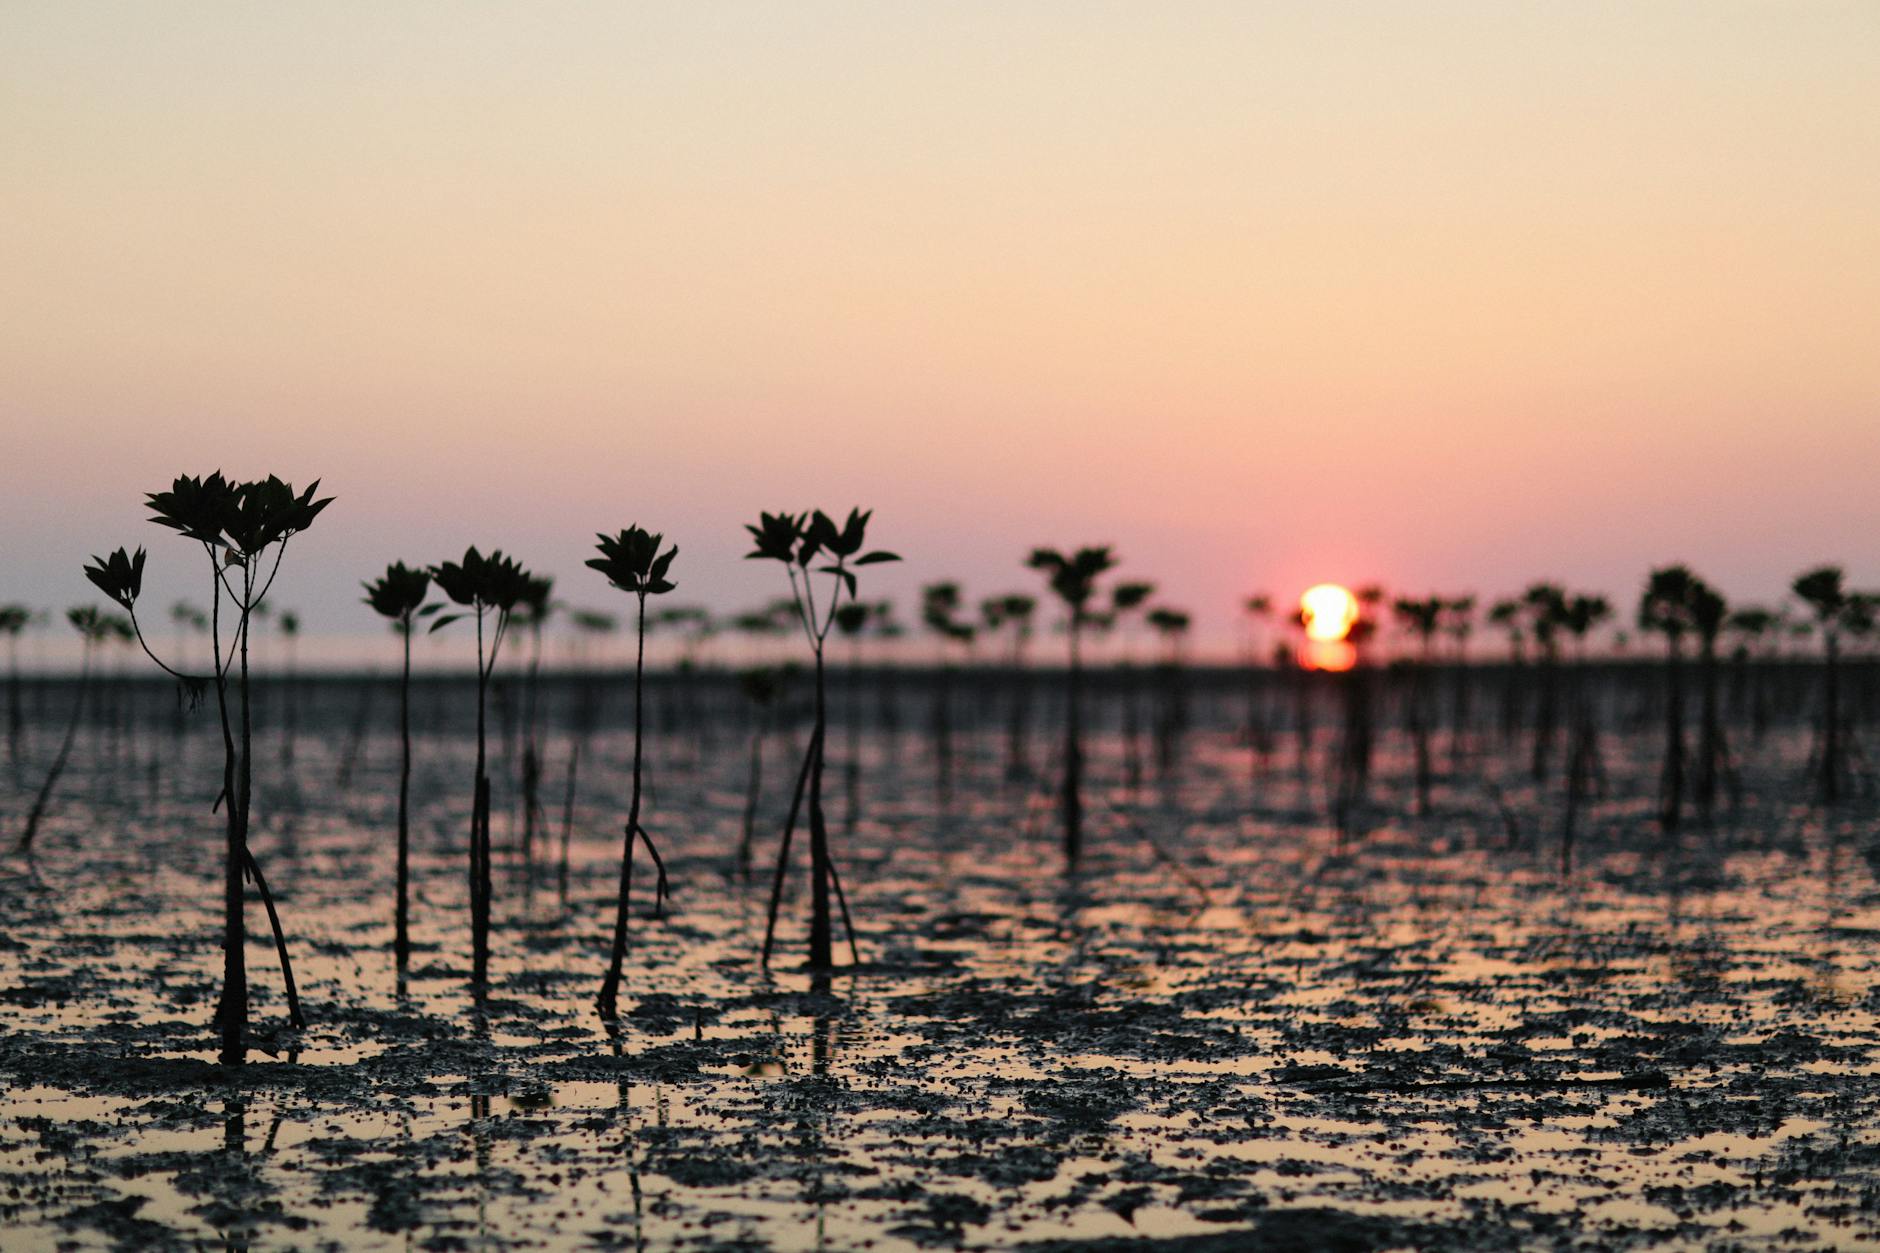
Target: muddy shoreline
{"x":1410,"y":1036}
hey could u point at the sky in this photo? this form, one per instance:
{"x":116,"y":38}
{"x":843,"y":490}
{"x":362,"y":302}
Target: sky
{"x":1446,"y":296}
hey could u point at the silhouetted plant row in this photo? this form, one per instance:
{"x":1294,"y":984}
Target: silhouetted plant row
{"x":243,"y":530}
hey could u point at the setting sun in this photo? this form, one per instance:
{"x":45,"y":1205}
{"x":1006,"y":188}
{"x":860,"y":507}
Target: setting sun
{"x":1329,"y":612}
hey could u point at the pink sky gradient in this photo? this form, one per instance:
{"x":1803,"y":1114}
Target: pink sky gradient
{"x":1447,"y":296}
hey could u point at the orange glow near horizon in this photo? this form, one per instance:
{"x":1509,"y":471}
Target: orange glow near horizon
{"x":1329,"y":611}
{"x":1334,"y":655}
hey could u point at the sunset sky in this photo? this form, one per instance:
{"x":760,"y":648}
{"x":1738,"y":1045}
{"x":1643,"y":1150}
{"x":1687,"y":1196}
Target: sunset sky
{"x":1449,"y":296}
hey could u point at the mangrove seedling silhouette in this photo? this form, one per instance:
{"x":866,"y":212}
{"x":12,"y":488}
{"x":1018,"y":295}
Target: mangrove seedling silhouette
{"x":1172,"y":625}
{"x":1508,"y":615}
{"x":1126,"y":600}
{"x":1585,"y":770}
{"x":853,"y":622}
{"x":1259,"y":732}
{"x":1666,"y":607}
{"x":590,"y":625}
{"x":1545,"y":606}
{"x":939,"y":609}
{"x":1073,"y":579}
{"x":762,"y":687}
{"x":236,"y":525}
{"x":14,"y":620}
{"x":398,"y":595}
{"x":93,"y":628}
{"x":1358,"y":736}
{"x":1423,"y":618}
{"x":485,"y":586}
{"x":1459,"y":624}
{"x":1837,"y":612}
{"x":289,"y":625}
{"x":633,"y":563}
{"x":1709,"y":613}
{"x":795,"y":540}
{"x":533,"y":613}
{"x":1751,"y":626}
{"x":1012,"y":613}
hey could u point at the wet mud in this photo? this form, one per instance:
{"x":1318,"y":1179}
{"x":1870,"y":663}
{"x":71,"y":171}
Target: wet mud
{"x":1234,"y":1028}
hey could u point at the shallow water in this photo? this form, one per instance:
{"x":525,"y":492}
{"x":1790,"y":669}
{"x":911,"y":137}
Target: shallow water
{"x":1234,"y":1028}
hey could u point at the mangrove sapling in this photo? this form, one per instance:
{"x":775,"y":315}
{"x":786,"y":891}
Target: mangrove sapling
{"x":889,"y":630}
{"x":1291,"y":655}
{"x":1544,"y":605}
{"x":1422,"y":618}
{"x":762,"y":686}
{"x":1823,"y":591}
{"x":1073,"y":579}
{"x":356,"y":730}
{"x":14,"y":620}
{"x":93,"y":629}
{"x":289,"y":625}
{"x":852,"y":621}
{"x":532,"y":612}
{"x":1751,"y":627}
{"x":398,"y":595}
{"x":1013,"y":614}
{"x":1665,"y":607}
{"x":590,"y":625}
{"x":939,"y":605}
{"x":1126,"y":599}
{"x":1508,"y":614}
{"x":795,"y":540}
{"x":1259,"y":730}
{"x":1585,"y":770}
{"x":190,"y":620}
{"x":236,"y":524}
{"x":633,"y":563}
{"x":489,"y":588}
{"x":1172,"y":625}
{"x":1709,"y":612}
{"x":1459,"y":624}
{"x":695,"y":627}
{"x":1352,"y":768}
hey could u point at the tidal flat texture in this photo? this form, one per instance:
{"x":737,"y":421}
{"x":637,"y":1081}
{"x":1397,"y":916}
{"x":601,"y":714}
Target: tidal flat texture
{"x":1233,"y":1028}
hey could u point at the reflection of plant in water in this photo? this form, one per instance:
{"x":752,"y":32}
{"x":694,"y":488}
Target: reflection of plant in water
{"x":93,"y":629}
{"x":795,"y":540}
{"x":236,"y":524}
{"x":1073,"y":579}
{"x":489,"y":588}
{"x":398,"y":595}
{"x":633,"y":563}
